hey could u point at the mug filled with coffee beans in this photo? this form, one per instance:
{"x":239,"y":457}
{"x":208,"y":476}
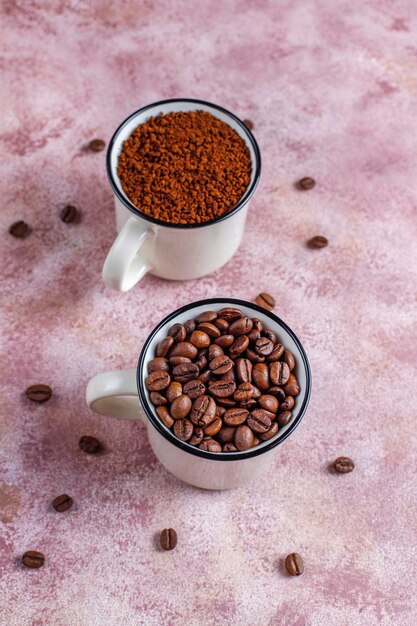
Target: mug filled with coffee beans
{"x":182,"y":172}
{"x":220,"y":383}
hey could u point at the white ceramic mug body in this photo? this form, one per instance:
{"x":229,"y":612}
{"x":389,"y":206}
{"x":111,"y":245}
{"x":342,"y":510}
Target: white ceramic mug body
{"x":177,"y":251}
{"x":124,"y":394}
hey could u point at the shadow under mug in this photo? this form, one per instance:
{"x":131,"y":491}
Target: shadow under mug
{"x":123,"y":394}
{"x":173,"y":251}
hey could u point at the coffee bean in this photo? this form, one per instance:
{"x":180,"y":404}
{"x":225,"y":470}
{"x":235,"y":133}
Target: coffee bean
{"x":33,"y":559}
{"x":96,"y":145}
{"x":212,"y":429}
{"x":157,"y":399}
{"x":174,"y":390}
{"x":178,"y":332}
{"x":278,"y":392}
{"x":287,"y":404}
{"x":242,"y":326}
{"x":91,"y":445}
{"x":203,"y":411}
{"x":269,"y":433}
{"x":254,"y":357}
{"x":260,"y":376}
{"x":254,"y":335}
{"x":221,"y":324}
{"x":268,"y":402}
{"x":184,"y":348}
{"x":229,"y":447}
{"x":279,"y":373}
{"x":260,"y":420}
{"x":235,"y":417}
{"x":244,"y":370}
{"x":276,"y":353}
{"x":249,"y":405}
{"x":190,"y":326}
{"x":248,"y":124}
{"x":226,"y":434}
{"x":180,"y":407}
{"x":163,"y":348}
{"x":225,"y":341}
{"x":244,"y":392}
{"x":197,"y":437}
{"x":185,"y":372}
{"x":221,"y":365}
{"x":220,"y":411}
{"x":62,"y":503}
{"x":270,"y":335}
{"x":201,"y":363}
{"x":158,"y":380}
{"x":257,"y":324}
{"x":200,"y":339}
{"x":292,"y":388}
{"x":210,"y":329}
{"x":20,"y":229}
{"x":69,"y":214}
{"x":222,"y":389}
{"x":206,"y":316}
{"x":289,"y":359}
{"x":343,"y":465}
{"x":229,"y":314}
{"x":243,"y":437}
{"x":38,"y":393}
{"x":159,"y":363}
{"x":239,"y":346}
{"x":265,"y":300}
{"x":194,"y":389}
{"x":317,"y":242}
{"x":164,"y":416}
{"x":294,"y":564}
{"x":256,"y":392}
{"x":210,"y":445}
{"x":205,"y":376}
{"x":284,"y":418}
{"x":178,"y":360}
{"x":226,"y":402}
{"x":168,"y":539}
{"x":264,"y":346}
{"x":214,"y":351}
{"x":306,"y":183}
{"x":183,"y":429}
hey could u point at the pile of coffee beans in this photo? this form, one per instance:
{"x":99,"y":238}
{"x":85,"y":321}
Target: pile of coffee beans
{"x":222,"y":381}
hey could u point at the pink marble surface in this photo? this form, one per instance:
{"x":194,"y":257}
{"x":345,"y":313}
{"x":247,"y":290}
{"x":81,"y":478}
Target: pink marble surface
{"x":332,"y":89}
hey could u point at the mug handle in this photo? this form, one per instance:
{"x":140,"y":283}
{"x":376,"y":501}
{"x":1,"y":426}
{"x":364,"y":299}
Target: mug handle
{"x":124,"y":266}
{"x":115,"y":394}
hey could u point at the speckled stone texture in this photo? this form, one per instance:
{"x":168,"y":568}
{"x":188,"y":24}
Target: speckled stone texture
{"x":331,"y":87}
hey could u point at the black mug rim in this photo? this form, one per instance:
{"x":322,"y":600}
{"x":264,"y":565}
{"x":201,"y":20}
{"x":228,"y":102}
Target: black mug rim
{"x":220,"y":456}
{"x":129,"y":205}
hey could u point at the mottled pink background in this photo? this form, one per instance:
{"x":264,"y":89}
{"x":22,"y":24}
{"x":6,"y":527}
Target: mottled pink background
{"x":331,"y":87}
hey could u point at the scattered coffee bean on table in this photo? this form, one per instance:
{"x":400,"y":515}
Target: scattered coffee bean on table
{"x":343,"y":465}
{"x":62,"y":503}
{"x":248,"y":123}
{"x":96,"y":145}
{"x":91,"y":445}
{"x":38,"y":393}
{"x":69,"y":214}
{"x":223,"y":381}
{"x":266,"y":300}
{"x":168,"y":539}
{"x":317,"y":242}
{"x":306,"y":183}
{"x":33,"y":559}
{"x":294,"y":564}
{"x":20,"y":229}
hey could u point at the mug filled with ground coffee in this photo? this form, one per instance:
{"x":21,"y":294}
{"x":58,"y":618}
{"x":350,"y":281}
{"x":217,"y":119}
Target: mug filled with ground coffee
{"x":183,"y":172}
{"x":219,"y":384}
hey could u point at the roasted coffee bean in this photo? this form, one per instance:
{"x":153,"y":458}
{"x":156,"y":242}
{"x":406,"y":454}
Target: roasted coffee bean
{"x":206,"y":316}
{"x":197,"y":437}
{"x":190,"y":326}
{"x":201,"y":363}
{"x":276,"y":353}
{"x":203,"y":411}
{"x":278,"y":392}
{"x":91,"y":445}
{"x":243,"y":437}
{"x":158,"y":380}
{"x":239,"y":346}
{"x":221,"y":324}
{"x":212,"y":429}
{"x":200,"y":339}
{"x":244,"y":392}
{"x":253,"y":356}
{"x":255,"y":441}
{"x":228,"y":403}
{"x":62,"y":503}
{"x":214,"y":351}
{"x":249,"y":405}
{"x":221,"y":365}
{"x":210,"y":445}
{"x":177,"y":360}
{"x":183,"y":429}
{"x":164,"y":416}
{"x":260,"y":420}
{"x":168,"y":539}
{"x":248,"y":124}
{"x":20,"y":229}
{"x":194,"y":389}
{"x":229,"y":314}
{"x":260,"y":376}
{"x":254,"y":335}
{"x":184,"y":348}
{"x":317,"y":242}
{"x":289,"y":359}
{"x":180,"y":407}
{"x":178,"y":332}
{"x":287,"y":404}
{"x":306,"y":183}
{"x":38,"y":393}
{"x":33,"y":559}
{"x":292,"y":388}
{"x":220,"y":411}
{"x":270,"y":335}
{"x":157,"y":399}
{"x":159,"y":363}
{"x":242,"y":326}
{"x":163,"y":348}
{"x":225,"y":341}
{"x":264,"y":346}
{"x":205,"y":376}
{"x":235,"y":417}
{"x":279,"y":373}
{"x":210,"y":329}
{"x":257,"y":324}
{"x":269,"y":433}
{"x":226,"y":434}
{"x":294,"y":564}
{"x":230,"y":375}
{"x":185,"y":372}
{"x":222,"y":389}
{"x":69,"y":214}
{"x":268,"y":402}
{"x":265,"y":300}
{"x":229,"y":447}
{"x":174,"y":390}
{"x":96,"y":145}
{"x":284,"y":418}
{"x":256,"y":392}
{"x":244,"y":370}
{"x":343,"y":465}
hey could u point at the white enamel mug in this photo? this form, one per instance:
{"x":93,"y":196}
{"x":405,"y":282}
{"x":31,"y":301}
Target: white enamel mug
{"x":123,"y":394}
{"x":173,"y":251}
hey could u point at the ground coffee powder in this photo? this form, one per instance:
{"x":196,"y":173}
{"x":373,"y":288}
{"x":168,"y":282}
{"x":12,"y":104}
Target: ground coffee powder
{"x":184,"y":168}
